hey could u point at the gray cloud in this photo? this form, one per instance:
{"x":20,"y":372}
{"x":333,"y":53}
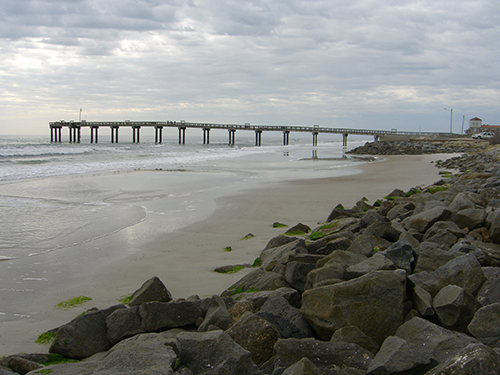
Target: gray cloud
{"x":359,"y":63}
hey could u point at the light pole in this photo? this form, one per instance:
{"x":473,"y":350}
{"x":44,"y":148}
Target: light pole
{"x":451,"y":119}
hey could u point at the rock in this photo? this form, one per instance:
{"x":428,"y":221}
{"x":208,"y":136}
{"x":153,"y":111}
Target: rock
{"x":490,"y":291}
{"x":401,"y":254}
{"x":256,"y":335}
{"x":441,"y":227}
{"x":22,"y":365}
{"x":397,"y":356}
{"x":463,"y":247}
{"x":455,"y":307}
{"x":81,"y":368}
{"x":475,"y":359}
{"x":426,"y":219}
{"x":341,"y":243}
{"x":139,"y":355}
{"x":373,"y":302}
{"x":493,"y":222}
{"x":285,"y":318}
{"x":84,"y":335}
{"x":322,"y":354}
{"x":299,"y":228}
{"x":257,"y":299}
{"x":346,"y":258}
{"x":151,"y":290}
{"x":378,"y":262}
{"x":217,"y":315}
{"x":422,"y":300}
{"x":302,"y":367}
{"x":213,"y":352}
{"x":439,"y":342}
{"x":471,"y":218}
{"x":124,"y":323}
{"x":371,"y":217}
{"x":279,"y":241}
{"x":461,"y":202}
{"x":352,"y":334}
{"x":431,"y":257}
{"x":485,"y":326}
{"x":383,"y":230}
{"x":365,"y":244}
{"x":396,"y":193}
{"x":160,"y":316}
{"x":327,"y":275}
{"x":257,"y":280}
{"x":444,"y":238}
{"x":296,"y":274}
{"x":278,"y":256}
{"x":464,"y":271}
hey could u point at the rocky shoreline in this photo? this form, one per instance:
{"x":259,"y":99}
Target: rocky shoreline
{"x":407,"y":285}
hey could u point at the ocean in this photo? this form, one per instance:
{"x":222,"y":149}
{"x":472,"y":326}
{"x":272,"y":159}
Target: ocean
{"x":66,"y":207}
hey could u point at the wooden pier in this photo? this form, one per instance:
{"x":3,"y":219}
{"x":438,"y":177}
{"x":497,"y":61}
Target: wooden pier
{"x":75,"y":129}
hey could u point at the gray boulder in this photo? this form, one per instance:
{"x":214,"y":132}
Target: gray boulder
{"x":341,"y":243}
{"x":81,"y":368}
{"x":296,"y":274}
{"x":365,"y":244}
{"x":213,"y":352}
{"x":347,"y":258}
{"x":84,"y":335}
{"x":257,"y":280}
{"x":302,"y":367}
{"x":144,"y":354}
{"x":383,"y":230}
{"x":455,"y":307}
{"x":378,"y":262}
{"x":279,"y":241}
{"x":461,"y":202}
{"x":152,"y":290}
{"x":159,"y":316}
{"x":471,"y":218}
{"x":373,"y":302}
{"x":124,"y":323}
{"x":285,"y":318}
{"x":277,"y":256}
{"x":490,"y":291}
{"x":443,"y":227}
{"x":401,"y":254}
{"x":321,"y":353}
{"x":256,"y":335}
{"x":424,"y":220}
{"x":217,"y":315}
{"x":493,"y":221}
{"x":354,"y":335}
{"x":397,"y":356}
{"x":371,"y":217}
{"x":439,"y":342}
{"x":485,"y":326}
{"x":474,"y":359}
{"x":431,"y":257}
{"x":327,"y":275}
{"x":422,"y":300}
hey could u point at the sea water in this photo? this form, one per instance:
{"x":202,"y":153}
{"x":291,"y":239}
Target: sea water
{"x":65,"y":206}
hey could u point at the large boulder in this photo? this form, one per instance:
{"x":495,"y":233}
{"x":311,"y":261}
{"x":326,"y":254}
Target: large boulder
{"x":213,"y":352}
{"x":474,"y":359}
{"x":398,"y":356}
{"x":378,"y":262}
{"x":217,"y":315}
{"x":296,"y":274}
{"x":431,"y":257}
{"x":80,"y":368}
{"x":354,"y":335}
{"x":490,"y":291}
{"x":439,"y":342}
{"x":159,"y":316}
{"x":275,"y":257}
{"x":321,"y":353}
{"x":373,"y":302}
{"x":302,"y":367}
{"x":124,"y":323}
{"x":471,"y":218}
{"x":257,"y":280}
{"x":152,"y":290}
{"x":401,"y":254}
{"x":426,"y":219}
{"x":256,"y":335}
{"x":84,"y":335}
{"x":455,"y":307}
{"x":285,"y":318}
{"x":485,"y":326}
{"x":493,"y":222}
{"x":144,"y":354}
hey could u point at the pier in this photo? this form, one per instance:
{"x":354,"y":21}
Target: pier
{"x":75,"y":129}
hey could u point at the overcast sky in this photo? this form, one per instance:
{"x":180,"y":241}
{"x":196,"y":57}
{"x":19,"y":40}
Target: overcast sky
{"x":378,"y":64}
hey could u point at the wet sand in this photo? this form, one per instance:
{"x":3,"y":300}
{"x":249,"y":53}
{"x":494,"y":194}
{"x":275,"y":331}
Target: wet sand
{"x":185,"y":258}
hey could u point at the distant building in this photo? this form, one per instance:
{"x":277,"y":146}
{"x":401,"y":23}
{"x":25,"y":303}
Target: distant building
{"x":475,"y":125}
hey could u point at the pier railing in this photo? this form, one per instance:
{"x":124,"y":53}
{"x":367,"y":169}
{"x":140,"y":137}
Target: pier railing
{"x":75,"y":130}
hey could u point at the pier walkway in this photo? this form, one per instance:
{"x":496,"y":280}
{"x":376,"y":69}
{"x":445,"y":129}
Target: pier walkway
{"x":76,"y":127}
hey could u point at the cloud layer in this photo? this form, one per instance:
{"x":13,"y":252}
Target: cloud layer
{"x":357,"y":63}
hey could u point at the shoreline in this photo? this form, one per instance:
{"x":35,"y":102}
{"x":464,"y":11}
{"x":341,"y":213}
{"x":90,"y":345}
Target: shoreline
{"x":184,"y":260}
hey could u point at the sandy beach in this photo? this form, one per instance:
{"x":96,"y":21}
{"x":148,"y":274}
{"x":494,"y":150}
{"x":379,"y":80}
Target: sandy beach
{"x":184,"y":259}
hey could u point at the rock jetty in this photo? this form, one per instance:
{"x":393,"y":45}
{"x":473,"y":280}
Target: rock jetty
{"x":407,"y":285}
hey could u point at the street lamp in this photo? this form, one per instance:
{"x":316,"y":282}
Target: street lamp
{"x":451,"y":119}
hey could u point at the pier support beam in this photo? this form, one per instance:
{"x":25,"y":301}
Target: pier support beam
{"x":258,"y":137}
{"x":92,"y":130}
{"x":74,"y":134}
{"x":114,"y":134}
{"x":206,"y":136}
{"x":158,"y":134}
{"x":136,"y":134}
{"x":315,"y":138}
{"x":182,"y":135}
{"x":286,"y":137}
{"x":232,"y":133}
{"x":344,"y":140}
{"x":55,"y":133}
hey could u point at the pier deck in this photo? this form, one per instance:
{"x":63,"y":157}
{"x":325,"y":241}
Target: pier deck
{"x":75,"y":130}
